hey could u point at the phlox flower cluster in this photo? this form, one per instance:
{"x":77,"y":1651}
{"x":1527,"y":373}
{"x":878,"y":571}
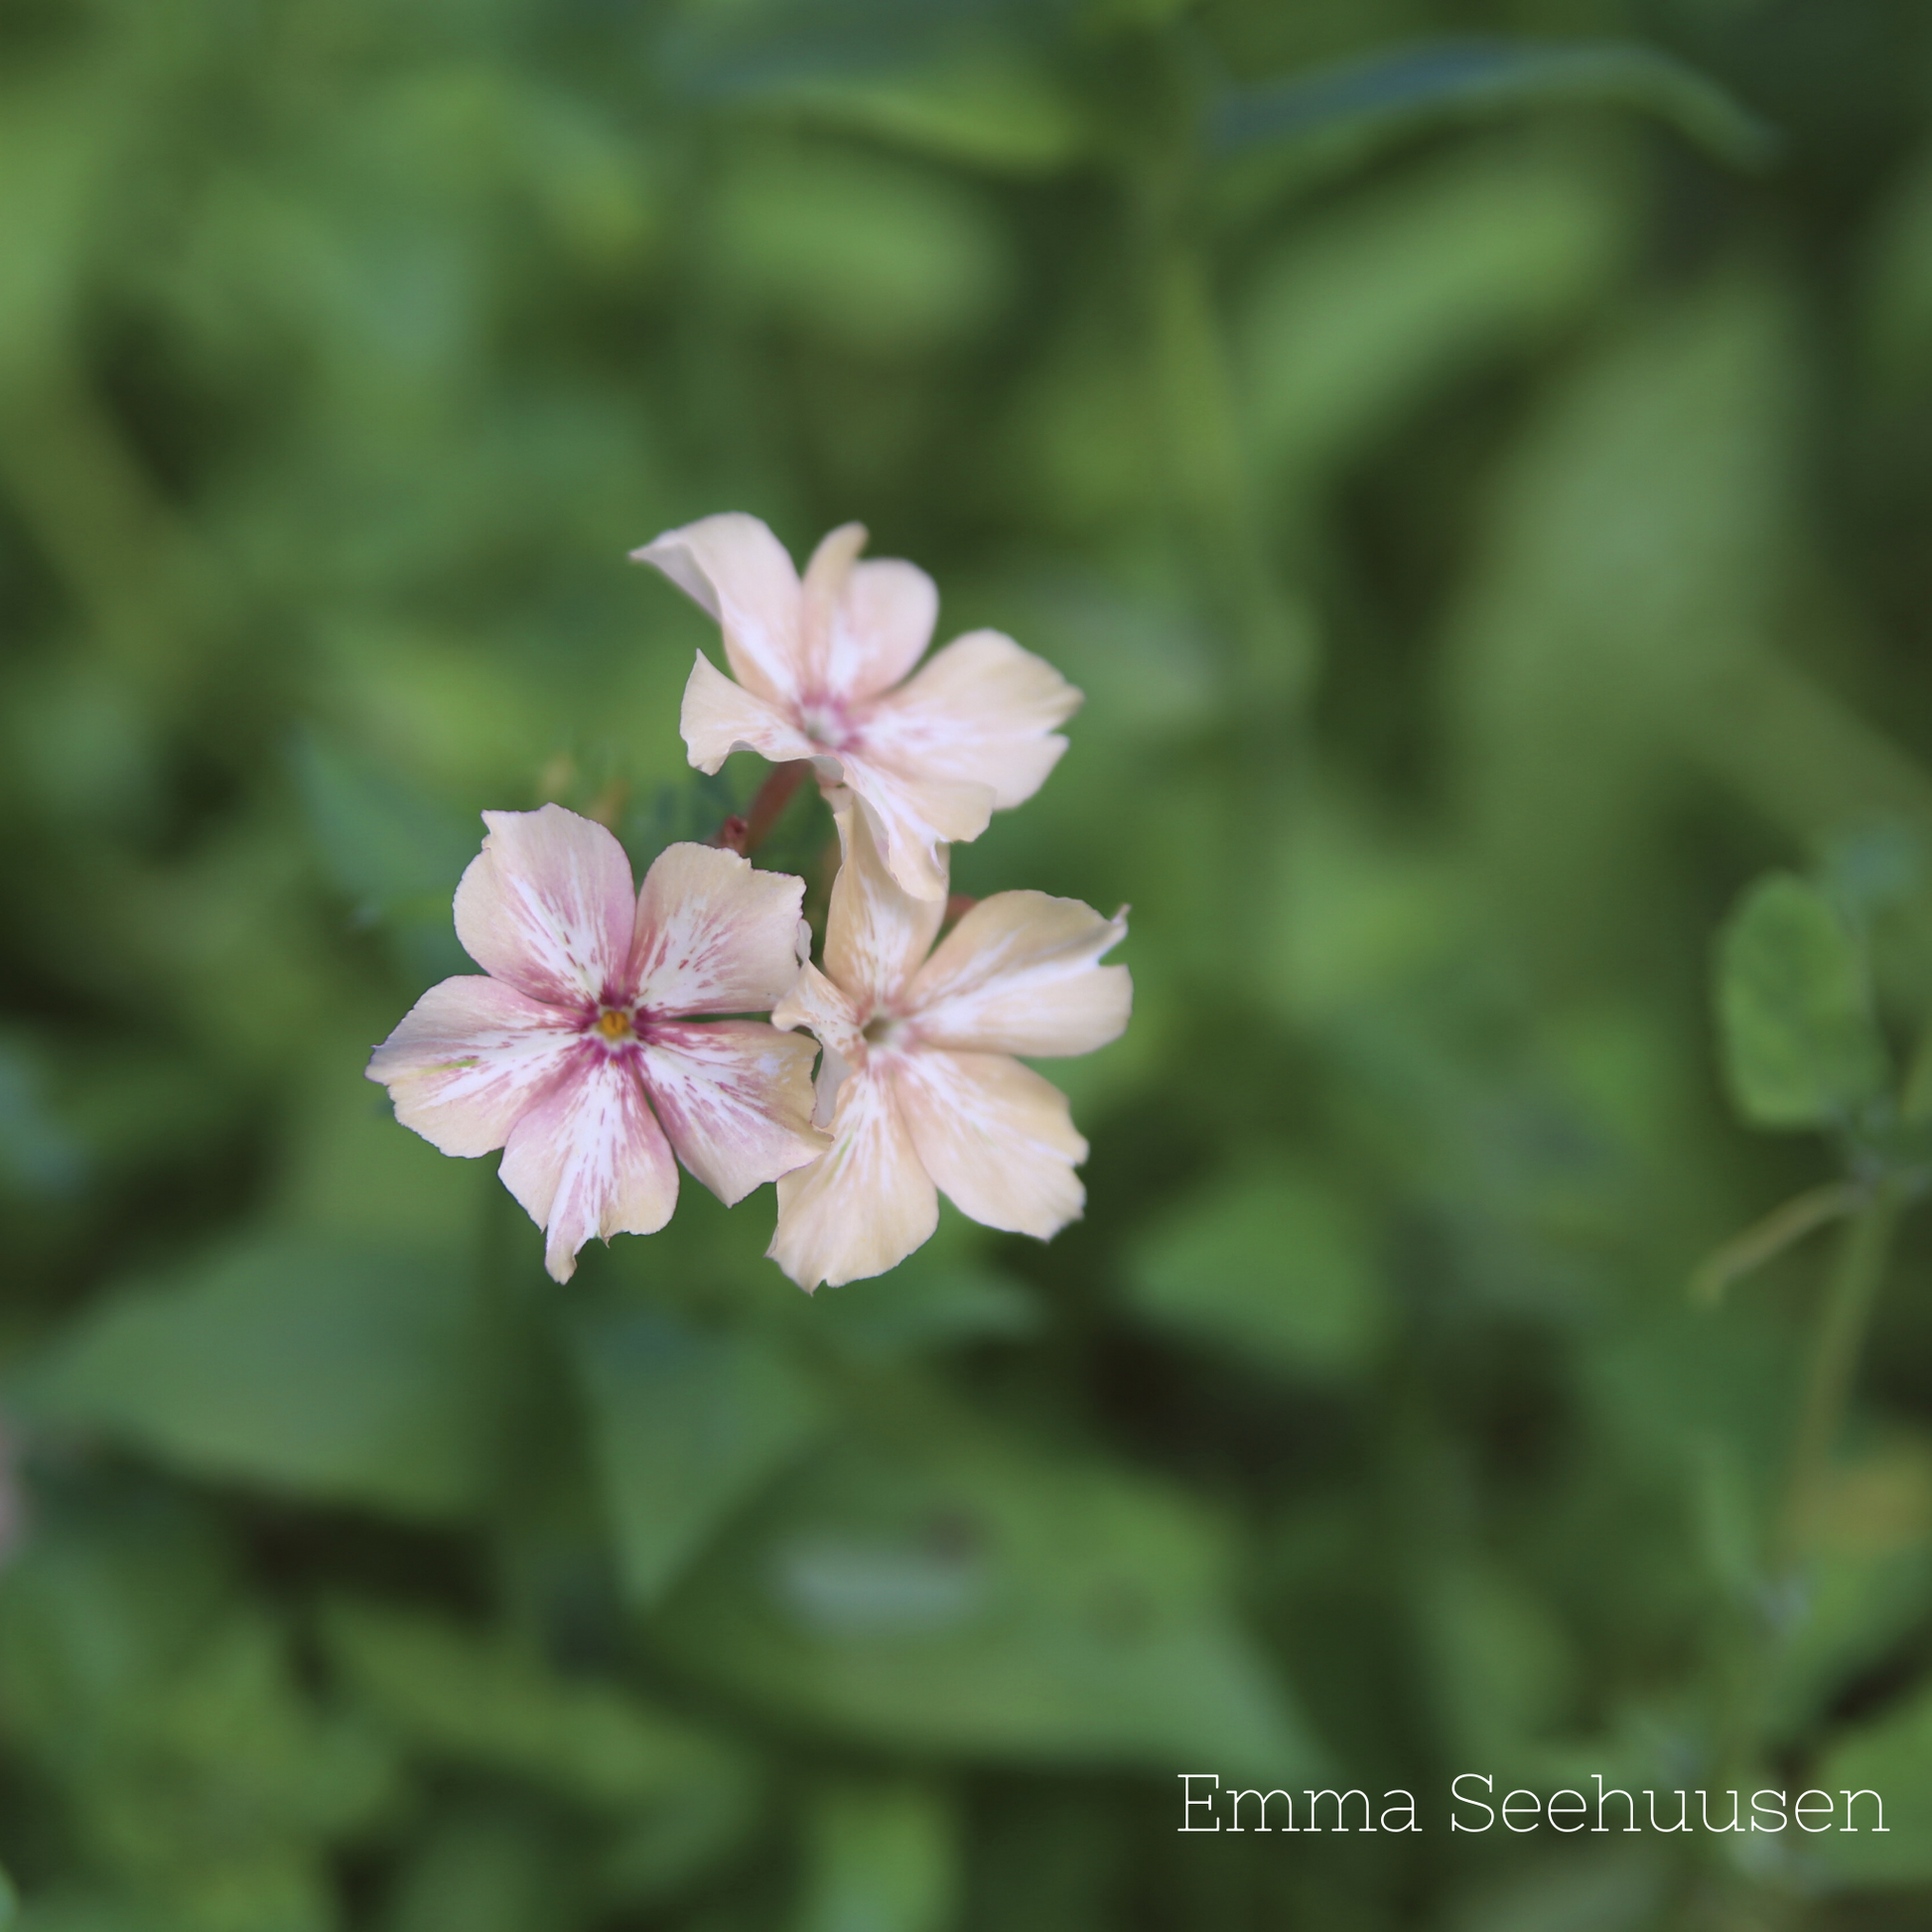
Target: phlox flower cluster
{"x":613,"y":1028}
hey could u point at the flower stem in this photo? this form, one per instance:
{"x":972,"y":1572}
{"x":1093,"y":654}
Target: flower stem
{"x":745,"y":835}
{"x":1835,"y":1345}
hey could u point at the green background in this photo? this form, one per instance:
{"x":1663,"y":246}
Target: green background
{"x":1475,"y":458}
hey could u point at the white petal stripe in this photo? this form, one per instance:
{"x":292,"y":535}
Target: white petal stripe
{"x":469,"y":1057}
{"x":877,"y":934}
{"x":736,"y":1099}
{"x":549,"y":906}
{"x":714,"y":935}
{"x":739,"y":572}
{"x":996,"y":1138}
{"x":1018,"y":974}
{"x":588,"y":1158}
{"x":863,"y":1207}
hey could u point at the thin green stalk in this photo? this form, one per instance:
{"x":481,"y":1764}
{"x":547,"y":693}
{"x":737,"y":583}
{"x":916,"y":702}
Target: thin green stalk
{"x":1838,"y":1342}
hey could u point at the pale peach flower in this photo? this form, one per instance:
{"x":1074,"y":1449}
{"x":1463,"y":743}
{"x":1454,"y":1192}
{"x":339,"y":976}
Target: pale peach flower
{"x":582,"y":1030}
{"x":822,"y":670}
{"x":919,"y":1083}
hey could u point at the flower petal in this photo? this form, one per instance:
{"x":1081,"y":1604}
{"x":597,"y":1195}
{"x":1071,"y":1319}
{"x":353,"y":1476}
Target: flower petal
{"x":982,"y":712}
{"x":469,"y":1057}
{"x":588,"y":1158}
{"x":719,"y":717}
{"x":996,"y":1138}
{"x":815,"y":1004}
{"x":1017,"y":975}
{"x":736,"y":1100}
{"x":865,"y":624}
{"x":863,"y":1206}
{"x":547,"y":905}
{"x":876,"y":932}
{"x":912,"y":820}
{"x":739,"y":572}
{"x":714,"y":935}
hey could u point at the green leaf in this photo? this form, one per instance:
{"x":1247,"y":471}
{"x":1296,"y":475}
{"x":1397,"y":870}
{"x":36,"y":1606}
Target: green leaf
{"x":1360,"y":107}
{"x":1801,"y":1046}
{"x":1893,"y":1758}
{"x":1273,"y":1267}
{"x":1357,"y":319}
{"x":689,"y":1425}
{"x":880,"y":256}
{"x":478,"y":1701}
{"x":986,"y":112}
{"x":324,"y":1371}
{"x":395,"y":851}
{"x":948,"y":1592}
{"x":489,"y":1867}
{"x":881,"y":1857}
{"x":914,"y":1310}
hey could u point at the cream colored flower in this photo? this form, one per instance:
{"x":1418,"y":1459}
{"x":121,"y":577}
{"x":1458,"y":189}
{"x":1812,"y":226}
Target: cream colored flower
{"x":919,"y":1082}
{"x":822,"y":673}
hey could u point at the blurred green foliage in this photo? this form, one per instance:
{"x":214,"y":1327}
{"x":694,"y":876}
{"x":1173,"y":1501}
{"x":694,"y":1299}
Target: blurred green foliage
{"x":1473,"y":456}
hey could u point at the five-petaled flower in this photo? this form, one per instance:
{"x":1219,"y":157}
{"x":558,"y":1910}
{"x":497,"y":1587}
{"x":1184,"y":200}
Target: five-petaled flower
{"x":919,"y":1081}
{"x":583,"y":1027}
{"x":819,"y":665}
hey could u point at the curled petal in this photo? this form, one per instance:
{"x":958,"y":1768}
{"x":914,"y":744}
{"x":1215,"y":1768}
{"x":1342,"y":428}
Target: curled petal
{"x":739,"y":572}
{"x":736,"y":1100}
{"x":877,"y":934}
{"x":469,"y":1057}
{"x":815,"y":1004}
{"x":1018,"y":974}
{"x":913,"y":819}
{"x":588,"y":1158}
{"x":714,"y":935}
{"x":982,"y":713}
{"x":719,"y":717}
{"x":547,"y":907}
{"x":866,"y":623}
{"x":863,"y":1206}
{"x":996,"y":1138}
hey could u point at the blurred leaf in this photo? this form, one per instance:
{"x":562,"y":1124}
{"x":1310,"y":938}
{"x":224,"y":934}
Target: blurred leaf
{"x":689,"y":1425}
{"x":490,"y":1869}
{"x":1893,"y":1757}
{"x":1504,"y":1671}
{"x":1801,"y":1046}
{"x":988,"y":112}
{"x":200,"y":1774}
{"x":1633,"y":562}
{"x":1356,"y":110}
{"x":335,"y":1373}
{"x":914,"y":1310}
{"x":39,"y":1156}
{"x":1273,"y":1266}
{"x":759,"y":46}
{"x":881,"y":1858}
{"x":397,"y":854}
{"x":1357,"y":318}
{"x":1868,"y":1585}
{"x":881,"y":256}
{"x":482,"y":1702}
{"x":946,"y":1592}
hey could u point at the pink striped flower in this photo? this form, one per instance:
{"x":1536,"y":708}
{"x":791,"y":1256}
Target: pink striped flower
{"x":577,"y":1054}
{"x":919,"y":1083}
{"x":822,"y":673}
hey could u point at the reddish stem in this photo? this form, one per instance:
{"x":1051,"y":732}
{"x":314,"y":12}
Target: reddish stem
{"x":745,"y":835}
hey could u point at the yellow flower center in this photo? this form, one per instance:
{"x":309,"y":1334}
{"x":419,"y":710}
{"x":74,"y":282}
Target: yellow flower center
{"x":614,"y":1024}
